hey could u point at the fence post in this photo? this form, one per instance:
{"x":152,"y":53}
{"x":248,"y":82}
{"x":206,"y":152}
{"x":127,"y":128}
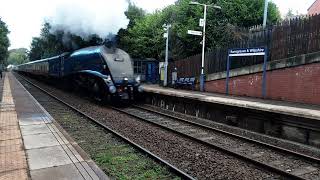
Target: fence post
{"x":264,"y":76}
{"x":228,"y":74}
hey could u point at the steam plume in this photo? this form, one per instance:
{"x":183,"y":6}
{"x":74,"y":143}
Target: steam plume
{"x":86,"y":17}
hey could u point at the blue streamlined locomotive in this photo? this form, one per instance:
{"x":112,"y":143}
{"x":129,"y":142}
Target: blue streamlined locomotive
{"x":106,"y":72}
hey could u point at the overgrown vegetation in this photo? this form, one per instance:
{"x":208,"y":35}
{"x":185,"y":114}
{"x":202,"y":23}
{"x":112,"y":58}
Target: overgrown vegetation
{"x":18,"y":56}
{"x":4,"y":42}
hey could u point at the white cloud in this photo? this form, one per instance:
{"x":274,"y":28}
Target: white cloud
{"x":300,"y":6}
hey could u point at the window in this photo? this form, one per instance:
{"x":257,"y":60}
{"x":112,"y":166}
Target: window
{"x":135,"y":67}
{"x":139,"y":67}
{"x":143,"y":68}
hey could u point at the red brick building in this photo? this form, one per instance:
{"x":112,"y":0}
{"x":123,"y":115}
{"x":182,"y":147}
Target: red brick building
{"x":314,"y":8}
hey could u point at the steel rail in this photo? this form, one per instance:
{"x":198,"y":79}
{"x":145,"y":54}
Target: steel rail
{"x":171,"y":167}
{"x":283,"y":150}
{"x":235,"y":154}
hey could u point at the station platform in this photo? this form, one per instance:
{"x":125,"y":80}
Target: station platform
{"x":32,"y":145}
{"x":281,"y":107}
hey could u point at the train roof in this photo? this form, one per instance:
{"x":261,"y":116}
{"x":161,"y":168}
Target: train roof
{"x":96,"y":49}
{"x":47,"y":59}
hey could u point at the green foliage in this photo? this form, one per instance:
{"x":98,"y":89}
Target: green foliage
{"x":144,"y":36}
{"x":247,"y":13}
{"x":123,"y":162}
{"x":55,"y":42}
{"x":18,"y":56}
{"x":4,"y":42}
{"x":134,"y":14}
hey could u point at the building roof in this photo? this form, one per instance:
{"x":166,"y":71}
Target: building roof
{"x":312,"y":4}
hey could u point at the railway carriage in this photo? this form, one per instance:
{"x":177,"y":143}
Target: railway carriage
{"x":106,"y":72}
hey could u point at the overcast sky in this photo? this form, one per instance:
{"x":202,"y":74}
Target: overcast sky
{"x":25,"y":17}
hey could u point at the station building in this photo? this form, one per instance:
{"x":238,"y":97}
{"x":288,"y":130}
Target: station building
{"x":147,"y":69}
{"x":314,"y":8}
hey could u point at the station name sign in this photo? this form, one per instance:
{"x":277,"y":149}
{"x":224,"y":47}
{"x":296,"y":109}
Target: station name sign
{"x":196,"y":33}
{"x":247,"y":52}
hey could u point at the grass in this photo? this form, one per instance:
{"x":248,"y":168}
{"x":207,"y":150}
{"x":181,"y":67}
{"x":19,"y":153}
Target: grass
{"x":123,"y":162}
{"x":113,"y":156}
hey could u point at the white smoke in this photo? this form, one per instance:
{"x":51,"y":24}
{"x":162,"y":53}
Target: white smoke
{"x":86,"y":17}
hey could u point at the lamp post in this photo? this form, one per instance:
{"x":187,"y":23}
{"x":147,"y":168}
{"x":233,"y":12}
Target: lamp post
{"x":265,"y":15}
{"x":202,"y":80}
{"x":166,"y":35}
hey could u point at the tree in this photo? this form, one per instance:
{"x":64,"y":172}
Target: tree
{"x":247,"y":13}
{"x":18,"y":56}
{"x":134,"y":14}
{"x":4,"y":42}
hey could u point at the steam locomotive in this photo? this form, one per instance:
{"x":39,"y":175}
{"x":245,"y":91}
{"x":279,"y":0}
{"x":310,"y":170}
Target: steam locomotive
{"x":105,"y":72}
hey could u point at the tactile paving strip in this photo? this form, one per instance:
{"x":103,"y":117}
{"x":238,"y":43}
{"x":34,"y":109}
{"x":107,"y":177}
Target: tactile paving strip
{"x":8,"y":118}
{"x":11,"y":146}
{"x":8,"y":134}
{"x":12,"y":161}
{"x":11,"y":142}
{"x":20,"y":174}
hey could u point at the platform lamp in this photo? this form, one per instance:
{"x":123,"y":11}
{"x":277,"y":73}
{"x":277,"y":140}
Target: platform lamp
{"x":166,"y":27}
{"x":265,"y":14}
{"x":202,"y":76}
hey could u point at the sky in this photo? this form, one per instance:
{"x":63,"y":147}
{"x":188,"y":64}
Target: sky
{"x":25,"y":17}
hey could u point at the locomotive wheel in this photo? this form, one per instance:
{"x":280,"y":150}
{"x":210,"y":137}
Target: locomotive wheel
{"x":98,"y":92}
{"x":75,"y":84}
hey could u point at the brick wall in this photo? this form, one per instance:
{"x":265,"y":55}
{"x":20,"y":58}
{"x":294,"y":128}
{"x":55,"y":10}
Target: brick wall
{"x":296,"y":84}
{"x":315,"y":8}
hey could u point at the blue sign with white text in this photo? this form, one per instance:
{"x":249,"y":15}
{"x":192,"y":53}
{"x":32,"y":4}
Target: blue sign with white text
{"x":261,"y":51}
{"x":242,"y":52}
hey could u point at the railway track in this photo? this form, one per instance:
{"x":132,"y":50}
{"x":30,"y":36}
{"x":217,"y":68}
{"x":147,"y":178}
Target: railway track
{"x":171,"y":167}
{"x":283,"y":161}
{"x":288,"y":164}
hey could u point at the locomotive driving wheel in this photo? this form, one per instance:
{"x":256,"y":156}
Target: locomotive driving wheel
{"x":98,"y":92}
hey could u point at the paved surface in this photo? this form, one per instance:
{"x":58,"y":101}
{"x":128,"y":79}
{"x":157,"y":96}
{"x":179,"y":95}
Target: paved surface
{"x":13,"y":163}
{"x":32,"y":144}
{"x":294,"y":109}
